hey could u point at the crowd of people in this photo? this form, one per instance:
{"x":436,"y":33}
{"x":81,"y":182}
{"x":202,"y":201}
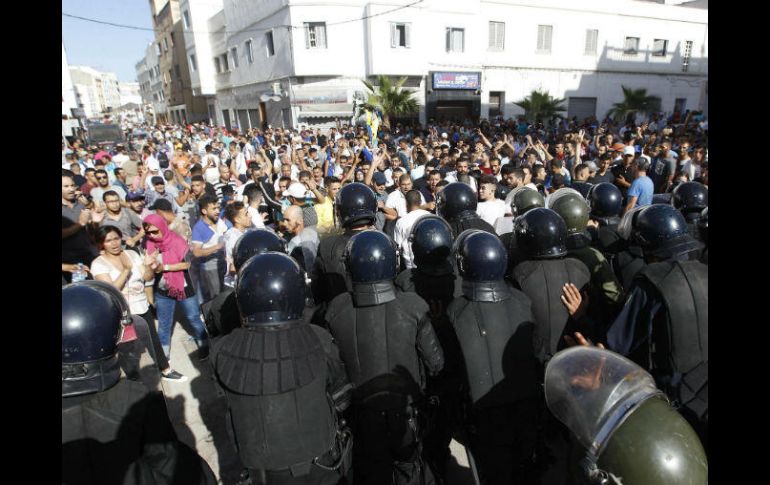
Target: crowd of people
{"x":407,"y":290}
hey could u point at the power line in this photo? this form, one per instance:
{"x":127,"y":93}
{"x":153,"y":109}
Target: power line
{"x":264,"y":29}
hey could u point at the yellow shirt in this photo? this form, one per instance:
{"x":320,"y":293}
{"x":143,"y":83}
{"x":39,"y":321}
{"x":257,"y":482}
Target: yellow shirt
{"x":325,"y":212}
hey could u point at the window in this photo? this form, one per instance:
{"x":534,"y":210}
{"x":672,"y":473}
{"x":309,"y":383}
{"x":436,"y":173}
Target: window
{"x":496,"y":103}
{"x":193,"y":64}
{"x":165,"y":44}
{"x":186,"y":18}
{"x":177,"y":72}
{"x":234,"y":54}
{"x":315,"y":35}
{"x":496,"y":36}
{"x":269,"y":44}
{"x":680,"y":104}
{"x":225,"y":64}
{"x":631,"y":46}
{"x":544,"y":35}
{"x":399,"y":35}
{"x":592,"y":36}
{"x":157,"y":49}
{"x":659,"y":47}
{"x":217,"y":65}
{"x":455,"y":39}
{"x":686,"y":56}
{"x":249,"y":52}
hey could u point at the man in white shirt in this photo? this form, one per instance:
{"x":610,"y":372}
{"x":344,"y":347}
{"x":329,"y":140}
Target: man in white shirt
{"x":462,"y":168}
{"x":489,"y":208}
{"x":396,"y":200}
{"x":120,"y":158}
{"x":210,"y":164}
{"x":403,"y":229}
{"x":253,"y":198}
{"x":237,"y":214}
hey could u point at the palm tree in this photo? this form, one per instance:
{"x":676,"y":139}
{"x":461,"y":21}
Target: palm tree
{"x":634,"y":101}
{"x":390,"y":99}
{"x":540,"y":105}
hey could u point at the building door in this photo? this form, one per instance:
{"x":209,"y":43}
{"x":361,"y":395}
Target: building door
{"x":581,"y":108}
{"x":263,"y":114}
{"x":286,"y":115}
{"x":254,"y":120}
{"x":243,"y":119}
{"x":212,"y":115}
{"x":680,"y":104}
{"x":226,"y":118}
{"x":454,"y":110}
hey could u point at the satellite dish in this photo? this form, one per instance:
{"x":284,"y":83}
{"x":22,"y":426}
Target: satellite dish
{"x":265,"y":97}
{"x":276,"y":98}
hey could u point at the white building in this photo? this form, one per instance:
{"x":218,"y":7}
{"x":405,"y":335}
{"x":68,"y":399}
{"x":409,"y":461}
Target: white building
{"x":129,"y":93}
{"x":284,"y":62}
{"x":68,"y":97}
{"x":97,"y":91}
{"x":197,"y":40}
{"x":151,"y":82}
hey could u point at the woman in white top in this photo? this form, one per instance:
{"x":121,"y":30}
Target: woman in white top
{"x":128,"y":272}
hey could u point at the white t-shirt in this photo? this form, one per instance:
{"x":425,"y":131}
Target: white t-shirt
{"x":211,"y":174}
{"x":120,"y":159}
{"x":152,"y":164}
{"x":452,"y":177}
{"x":230,"y":238}
{"x":134,"y":288}
{"x":401,"y":234}
{"x":491,"y":210}
{"x":397,"y":200}
{"x":256,"y":218}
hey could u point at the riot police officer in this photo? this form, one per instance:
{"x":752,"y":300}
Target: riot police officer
{"x":435,"y":281}
{"x":114,"y":429}
{"x":541,"y":238}
{"x":664,"y":324}
{"x":628,"y":432}
{"x":605,"y":203}
{"x":495,"y":324}
{"x":605,"y":293}
{"x":277,"y":371}
{"x":520,"y":200}
{"x":388,"y":346}
{"x":221,"y":313}
{"x":690,"y":198}
{"x":457,"y":205}
{"x":356,"y":208}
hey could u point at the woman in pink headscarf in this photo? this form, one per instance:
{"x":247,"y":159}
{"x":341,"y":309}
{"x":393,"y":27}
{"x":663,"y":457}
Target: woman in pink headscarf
{"x":172,"y":283}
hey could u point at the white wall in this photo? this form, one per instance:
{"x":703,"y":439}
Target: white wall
{"x":198,"y":42}
{"x":69,"y":100}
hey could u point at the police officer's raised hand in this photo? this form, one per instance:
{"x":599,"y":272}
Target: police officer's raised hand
{"x":579,"y":339}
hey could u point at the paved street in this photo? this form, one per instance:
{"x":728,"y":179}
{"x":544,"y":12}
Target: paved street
{"x":198,"y":414}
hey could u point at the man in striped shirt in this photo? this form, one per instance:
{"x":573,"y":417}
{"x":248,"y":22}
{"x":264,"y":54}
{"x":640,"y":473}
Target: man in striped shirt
{"x":225,"y":178}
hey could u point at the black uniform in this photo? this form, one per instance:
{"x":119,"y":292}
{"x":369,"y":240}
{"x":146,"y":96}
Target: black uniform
{"x":494,"y":325}
{"x":469,"y":220}
{"x":328,"y":277}
{"x":283,"y":380}
{"x":385,"y":340}
{"x":664,"y":328}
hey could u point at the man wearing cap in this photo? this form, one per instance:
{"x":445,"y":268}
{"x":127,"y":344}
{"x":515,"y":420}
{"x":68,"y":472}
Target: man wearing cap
{"x":296,"y":194}
{"x":158,"y":191}
{"x":641,"y":189}
{"x":624,"y":171}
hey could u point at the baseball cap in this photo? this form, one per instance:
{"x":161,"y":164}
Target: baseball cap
{"x":162,"y":204}
{"x":296,"y":190}
{"x":379,"y":178}
{"x":628,"y":151}
{"x":618,"y":147}
{"x":158,"y":180}
{"x":131,"y":196}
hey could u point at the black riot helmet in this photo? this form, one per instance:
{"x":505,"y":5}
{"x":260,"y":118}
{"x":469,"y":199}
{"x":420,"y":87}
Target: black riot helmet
{"x":356,"y":204}
{"x":431,"y":240}
{"x":120,"y":300}
{"x":627,"y":225}
{"x":371,"y":257}
{"x":690,"y":197}
{"x":572,"y":207}
{"x":662,"y":232}
{"x":255,"y":242}
{"x":456,"y":200}
{"x":523,"y":199}
{"x":270,"y":290}
{"x":481,"y":257}
{"x":604,"y":200}
{"x":91,"y":327}
{"x":502,"y":191}
{"x":540,"y":234}
{"x":703,"y":225}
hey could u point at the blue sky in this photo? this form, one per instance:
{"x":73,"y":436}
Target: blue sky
{"x":104,"y":47}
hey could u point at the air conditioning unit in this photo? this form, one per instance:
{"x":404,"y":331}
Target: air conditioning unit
{"x":276,"y":89}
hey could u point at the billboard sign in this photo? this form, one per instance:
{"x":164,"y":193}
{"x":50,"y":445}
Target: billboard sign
{"x":457,"y":80}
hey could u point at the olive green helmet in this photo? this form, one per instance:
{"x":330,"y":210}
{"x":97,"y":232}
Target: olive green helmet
{"x":630,"y":434}
{"x":523,"y":199}
{"x":572,"y":207}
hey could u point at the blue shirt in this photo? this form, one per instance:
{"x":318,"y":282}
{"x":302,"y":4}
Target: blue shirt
{"x":642,"y":188}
